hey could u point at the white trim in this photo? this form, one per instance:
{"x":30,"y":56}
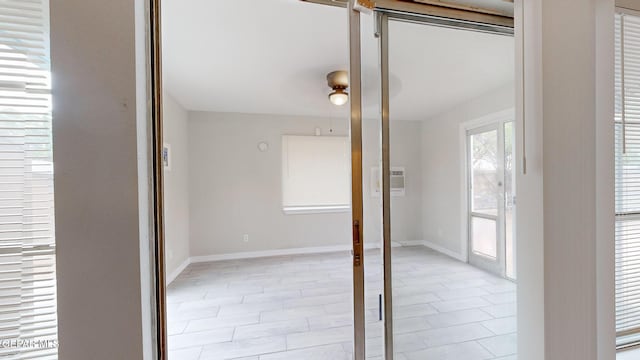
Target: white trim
{"x":277,"y":252}
{"x":409,"y":243}
{"x":268,"y":253}
{"x":295,"y":210}
{"x":175,"y":273}
{"x":445,"y":251}
{"x":464,"y":193}
{"x":373,"y":245}
{"x":492,"y":118}
{"x":501,"y":116}
{"x":301,"y":251}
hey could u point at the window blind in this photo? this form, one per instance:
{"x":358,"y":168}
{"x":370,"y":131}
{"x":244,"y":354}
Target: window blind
{"x":316,"y":172}
{"x":627,"y":178}
{"x":28,"y":324}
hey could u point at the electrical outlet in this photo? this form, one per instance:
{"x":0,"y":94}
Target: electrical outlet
{"x":245,"y":237}
{"x":170,"y":254}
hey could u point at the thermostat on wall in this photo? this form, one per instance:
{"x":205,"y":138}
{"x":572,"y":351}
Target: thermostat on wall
{"x":263,"y":146}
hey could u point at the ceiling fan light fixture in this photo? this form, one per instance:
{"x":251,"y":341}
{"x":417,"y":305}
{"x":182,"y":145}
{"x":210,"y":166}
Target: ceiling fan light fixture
{"x":338,"y":81}
{"x":339,"y":97}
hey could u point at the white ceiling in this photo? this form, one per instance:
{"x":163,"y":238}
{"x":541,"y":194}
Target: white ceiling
{"x":272,"y":56}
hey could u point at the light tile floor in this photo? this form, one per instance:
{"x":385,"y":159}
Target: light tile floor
{"x":300,"y":307}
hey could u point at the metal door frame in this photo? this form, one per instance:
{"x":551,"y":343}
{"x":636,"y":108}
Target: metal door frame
{"x":382,"y":33}
{"x":355,"y":97}
{"x":383,"y":15}
{"x":429,"y":14}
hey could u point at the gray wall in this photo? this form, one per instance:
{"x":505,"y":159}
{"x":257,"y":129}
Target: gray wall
{"x":405,"y":151}
{"x":176,"y":186}
{"x":234,"y":189}
{"x":99,"y":236}
{"x":442,"y":168}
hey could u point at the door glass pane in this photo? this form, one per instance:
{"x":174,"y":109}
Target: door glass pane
{"x":484,"y":172}
{"x":483,"y":236}
{"x":434,"y":292}
{"x":509,"y":196}
{"x":286,"y":290}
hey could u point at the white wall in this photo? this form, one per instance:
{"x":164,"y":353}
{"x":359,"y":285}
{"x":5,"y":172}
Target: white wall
{"x":442,"y":168}
{"x":529,"y":221}
{"x":98,"y":236}
{"x":577,"y":113}
{"x":235,"y":189}
{"x":176,"y":186}
{"x":406,"y":210}
{"x":565,"y":198}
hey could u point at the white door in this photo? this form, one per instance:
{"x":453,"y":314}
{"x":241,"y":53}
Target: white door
{"x":485,"y":166}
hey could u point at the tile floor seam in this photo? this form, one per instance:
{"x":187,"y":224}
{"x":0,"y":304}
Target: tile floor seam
{"x":491,"y":331}
{"x":332,"y":284}
{"x":484,"y":347}
{"x":486,"y":312}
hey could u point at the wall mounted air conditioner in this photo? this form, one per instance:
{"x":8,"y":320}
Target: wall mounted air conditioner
{"x":397,"y":180}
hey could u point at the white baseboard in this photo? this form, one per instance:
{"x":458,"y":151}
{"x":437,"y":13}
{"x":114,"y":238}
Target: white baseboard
{"x":268,"y":253}
{"x":317,"y":250}
{"x":444,"y":250}
{"x":377,"y":245}
{"x":410,"y":243}
{"x":260,"y":254}
{"x":370,"y":245}
{"x":175,"y":273}
{"x":300,"y":251}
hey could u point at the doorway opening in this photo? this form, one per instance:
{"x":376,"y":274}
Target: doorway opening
{"x":257,"y":181}
{"x":301,"y":226}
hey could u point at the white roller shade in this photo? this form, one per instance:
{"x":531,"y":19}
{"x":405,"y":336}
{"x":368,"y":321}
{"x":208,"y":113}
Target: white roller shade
{"x":28,"y":324}
{"x":316,"y":172}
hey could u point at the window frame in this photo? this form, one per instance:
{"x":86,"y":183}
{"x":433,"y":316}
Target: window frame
{"x":311,"y":208}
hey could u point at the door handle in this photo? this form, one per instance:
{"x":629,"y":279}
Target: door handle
{"x":357,"y":256}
